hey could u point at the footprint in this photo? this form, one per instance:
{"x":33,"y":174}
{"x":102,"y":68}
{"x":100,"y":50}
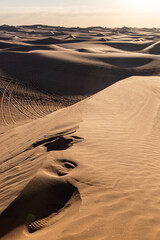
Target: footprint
{"x":60,"y":167}
{"x":43,"y":200}
{"x":48,"y":195}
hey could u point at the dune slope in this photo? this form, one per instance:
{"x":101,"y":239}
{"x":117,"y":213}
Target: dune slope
{"x":105,"y":161}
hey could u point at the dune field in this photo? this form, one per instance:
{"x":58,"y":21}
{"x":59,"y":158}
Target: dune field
{"x":79,"y":133}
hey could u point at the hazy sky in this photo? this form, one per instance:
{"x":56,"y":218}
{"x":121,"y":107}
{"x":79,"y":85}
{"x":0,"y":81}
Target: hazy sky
{"x":109,"y":13}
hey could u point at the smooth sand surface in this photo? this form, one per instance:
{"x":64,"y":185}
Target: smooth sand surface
{"x":79,"y":133}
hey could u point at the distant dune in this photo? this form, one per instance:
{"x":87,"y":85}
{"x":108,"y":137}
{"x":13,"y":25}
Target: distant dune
{"x":79,"y":127}
{"x":153,"y":49}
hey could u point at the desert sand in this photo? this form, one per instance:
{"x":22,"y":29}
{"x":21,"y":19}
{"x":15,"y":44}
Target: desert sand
{"x":79,"y":133}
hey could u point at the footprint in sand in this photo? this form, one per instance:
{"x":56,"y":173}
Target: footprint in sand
{"x":48,"y":196}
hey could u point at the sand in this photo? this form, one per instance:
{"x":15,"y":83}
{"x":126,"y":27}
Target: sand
{"x":79,"y":127}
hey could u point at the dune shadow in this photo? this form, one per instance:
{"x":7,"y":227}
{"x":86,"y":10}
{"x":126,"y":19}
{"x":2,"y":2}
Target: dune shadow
{"x":128,"y":46}
{"x":126,"y":62}
{"x":35,"y":208}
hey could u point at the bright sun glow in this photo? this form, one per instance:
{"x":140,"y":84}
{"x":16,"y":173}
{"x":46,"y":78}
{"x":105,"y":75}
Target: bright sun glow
{"x":116,"y":13}
{"x":144,"y":6}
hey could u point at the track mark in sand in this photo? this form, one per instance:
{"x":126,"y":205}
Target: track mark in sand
{"x":20,"y":103}
{"x":3,"y":104}
{"x":10,"y":102}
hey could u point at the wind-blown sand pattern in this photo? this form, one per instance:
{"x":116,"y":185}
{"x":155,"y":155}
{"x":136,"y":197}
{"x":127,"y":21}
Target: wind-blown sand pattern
{"x":80,"y":133}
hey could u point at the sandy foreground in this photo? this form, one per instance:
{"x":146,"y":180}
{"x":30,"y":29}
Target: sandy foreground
{"x":79,"y":133}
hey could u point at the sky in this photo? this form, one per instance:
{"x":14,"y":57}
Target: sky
{"x":82,"y":13}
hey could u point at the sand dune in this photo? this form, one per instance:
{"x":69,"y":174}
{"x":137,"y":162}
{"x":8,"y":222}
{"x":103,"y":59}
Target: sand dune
{"x":79,"y":127}
{"x":129,"y":46}
{"x":153,"y":49}
{"x":45,"y":41}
